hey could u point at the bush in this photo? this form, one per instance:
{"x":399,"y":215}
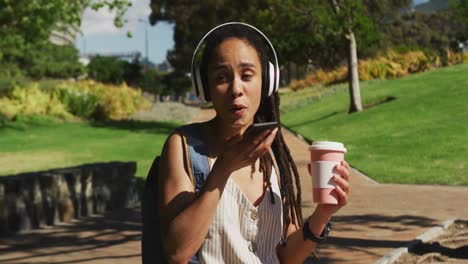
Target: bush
{"x":31,"y":100}
{"x":40,"y":59}
{"x":453,"y":57}
{"x":107,"y":69}
{"x":177,"y":83}
{"x":153,"y":82}
{"x":8,"y":83}
{"x":54,"y":61}
{"x":85,"y":99}
{"x":389,"y":65}
{"x":90,"y":99}
{"x":79,"y":103}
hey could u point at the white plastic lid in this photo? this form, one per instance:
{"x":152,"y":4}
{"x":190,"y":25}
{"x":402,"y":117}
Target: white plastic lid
{"x":327,"y":145}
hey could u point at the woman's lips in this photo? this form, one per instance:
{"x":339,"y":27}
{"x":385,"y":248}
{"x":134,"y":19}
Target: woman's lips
{"x":238,"y":109}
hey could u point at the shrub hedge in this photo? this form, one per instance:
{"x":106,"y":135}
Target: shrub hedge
{"x":389,"y":65}
{"x":67,"y":99}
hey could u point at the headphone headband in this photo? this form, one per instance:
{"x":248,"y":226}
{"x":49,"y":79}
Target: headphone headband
{"x":273,"y":68}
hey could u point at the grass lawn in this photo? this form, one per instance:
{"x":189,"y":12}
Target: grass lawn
{"x":419,"y":137}
{"x":41,"y":143}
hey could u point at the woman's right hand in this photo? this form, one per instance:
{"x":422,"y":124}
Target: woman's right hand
{"x":243,"y":150}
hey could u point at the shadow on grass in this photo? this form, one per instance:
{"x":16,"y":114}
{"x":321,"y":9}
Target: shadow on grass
{"x":22,"y":123}
{"x":139,"y":126}
{"x":387,"y":99}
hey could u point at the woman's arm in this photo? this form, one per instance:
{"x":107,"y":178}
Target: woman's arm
{"x":297,"y":248}
{"x":186,"y":217}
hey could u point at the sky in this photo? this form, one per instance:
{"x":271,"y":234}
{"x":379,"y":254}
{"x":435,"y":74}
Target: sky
{"x":99,"y":35}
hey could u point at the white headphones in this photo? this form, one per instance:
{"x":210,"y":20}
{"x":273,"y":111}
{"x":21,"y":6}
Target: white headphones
{"x":271,"y":74}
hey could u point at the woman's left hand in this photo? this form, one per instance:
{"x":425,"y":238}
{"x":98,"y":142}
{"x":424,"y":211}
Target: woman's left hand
{"x":342,"y":190}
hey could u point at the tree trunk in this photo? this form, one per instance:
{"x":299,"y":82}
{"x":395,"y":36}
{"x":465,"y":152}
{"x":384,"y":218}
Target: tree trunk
{"x":353,"y":75}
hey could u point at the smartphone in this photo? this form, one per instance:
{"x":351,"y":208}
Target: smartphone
{"x":257,"y":128}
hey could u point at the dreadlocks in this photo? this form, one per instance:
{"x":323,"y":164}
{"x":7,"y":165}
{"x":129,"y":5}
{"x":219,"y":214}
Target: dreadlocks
{"x":269,"y":111}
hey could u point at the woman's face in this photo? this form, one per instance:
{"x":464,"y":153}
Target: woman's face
{"x":235,"y":82}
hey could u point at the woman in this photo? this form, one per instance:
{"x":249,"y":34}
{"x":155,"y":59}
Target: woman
{"x":242,"y":214}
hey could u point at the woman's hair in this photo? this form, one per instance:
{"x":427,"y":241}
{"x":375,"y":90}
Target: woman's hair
{"x":268,"y":111}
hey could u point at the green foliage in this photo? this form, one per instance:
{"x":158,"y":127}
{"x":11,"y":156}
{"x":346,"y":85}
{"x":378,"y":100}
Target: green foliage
{"x":95,"y":100}
{"x":79,"y":103}
{"x":8,"y":83}
{"x":42,"y":60}
{"x":53,"y":61}
{"x":154,"y":82}
{"x":389,"y":65}
{"x":412,"y":139}
{"x":194,"y":18}
{"x":107,"y":69}
{"x":34,"y":20}
{"x":435,"y":32}
{"x":115,"y":71}
{"x":85,"y":99}
{"x":26,"y":27}
{"x":177,"y":83}
{"x":30,"y":100}
{"x":459,"y":9}
{"x":302,"y":31}
{"x":133,"y":72}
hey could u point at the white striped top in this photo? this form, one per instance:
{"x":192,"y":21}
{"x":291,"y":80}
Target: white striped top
{"x":241,"y":232}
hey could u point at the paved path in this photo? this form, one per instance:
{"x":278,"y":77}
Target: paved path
{"x":379,"y":218}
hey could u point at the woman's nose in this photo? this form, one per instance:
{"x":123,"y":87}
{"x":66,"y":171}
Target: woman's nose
{"x":236,"y":87}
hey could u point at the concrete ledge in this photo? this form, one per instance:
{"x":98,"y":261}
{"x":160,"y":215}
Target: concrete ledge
{"x":423,"y":238}
{"x":365,"y":177}
{"x":33,"y":200}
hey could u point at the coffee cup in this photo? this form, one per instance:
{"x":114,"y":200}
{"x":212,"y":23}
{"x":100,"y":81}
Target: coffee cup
{"x":324,"y":157}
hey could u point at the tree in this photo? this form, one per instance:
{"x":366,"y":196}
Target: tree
{"x":434,"y":32}
{"x":53,"y":61}
{"x":34,"y":20}
{"x":345,"y":12}
{"x":302,"y":31}
{"x":27,"y":25}
{"x":194,"y":18}
{"x":107,"y":69}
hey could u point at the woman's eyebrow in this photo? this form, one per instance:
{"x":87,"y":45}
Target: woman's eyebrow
{"x":241,"y":65}
{"x":247,"y":65}
{"x":221,"y":66}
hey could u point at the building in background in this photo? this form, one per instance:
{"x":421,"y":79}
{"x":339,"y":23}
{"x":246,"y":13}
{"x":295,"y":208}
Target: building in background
{"x":65,"y":35}
{"x":164,"y":66}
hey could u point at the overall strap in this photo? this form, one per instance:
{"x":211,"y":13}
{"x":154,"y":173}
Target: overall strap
{"x":196,"y":158}
{"x":198,"y":154}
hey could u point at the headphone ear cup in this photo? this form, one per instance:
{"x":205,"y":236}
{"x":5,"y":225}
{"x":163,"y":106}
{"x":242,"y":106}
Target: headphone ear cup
{"x":199,"y":85}
{"x":271,"y":79}
{"x":277,"y":78}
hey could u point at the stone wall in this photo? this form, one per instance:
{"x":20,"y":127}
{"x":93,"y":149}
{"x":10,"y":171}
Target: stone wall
{"x":32,"y":200}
